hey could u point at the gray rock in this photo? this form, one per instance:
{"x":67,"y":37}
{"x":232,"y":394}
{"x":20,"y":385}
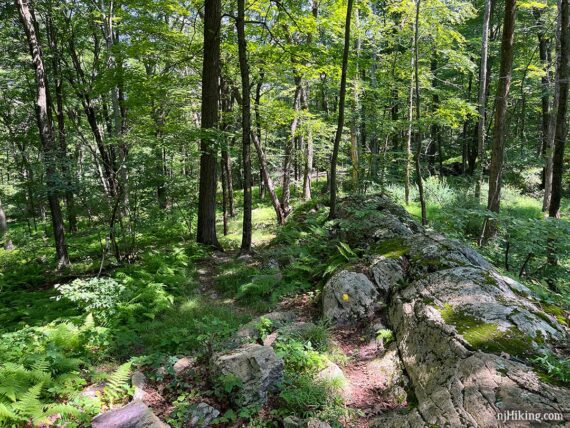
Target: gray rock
{"x":278,"y":319}
{"x":317,"y":423}
{"x":332,"y":374}
{"x":293,"y":422}
{"x":456,"y":377}
{"x":257,"y":367}
{"x":455,"y":321}
{"x":182,"y":365}
{"x":203,"y":415}
{"x":387,"y":273}
{"x":390,"y":369}
{"x":349,"y":296}
{"x":296,"y":329}
{"x":138,"y":380}
{"x":133,"y":415}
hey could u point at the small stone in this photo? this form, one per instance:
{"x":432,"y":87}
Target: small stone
{"x":292,"y":422}
{"x":138,"y":380}
{"x":317,"y":423}
{"x":182,"y":365}
{"x":270,"y":339}
{"x":202,"y":415}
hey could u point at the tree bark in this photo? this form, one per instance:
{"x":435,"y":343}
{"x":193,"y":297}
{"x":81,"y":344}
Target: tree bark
{"x":206,"y":232}
{"x":562,"y":108}
{"x":263,"y":161}
{"x":419,"y":180}
{"x":498,"y":149}
{"x":61,"y":133}
{"x":246,"y":127}
{"x":545,"y":59}
{"x":482,"y":98}
{"x":8,"y":246}
{"x":341,"y":102}
{"x":45,"y":129}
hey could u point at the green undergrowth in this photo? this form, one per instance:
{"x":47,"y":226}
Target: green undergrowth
{"x":524,"y":234}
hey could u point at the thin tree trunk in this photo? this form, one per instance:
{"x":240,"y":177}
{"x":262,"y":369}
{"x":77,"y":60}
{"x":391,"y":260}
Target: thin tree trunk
{"x":482,"y":98}
{"x":206,"y":232}
{"x":224,"y":196}
{"x":419,"y":180}
{"x":498,"y":150}
{"x":61,"y":134}
{"x":340,"y":124}
{"x":562,"y":85}
{"x":545,"y":58}
{"x":46,"y":131}
{"x":8,"y":246}
{"x":290,"y":148}
{"x":409,"y":156}
{"x":263,"y":161}
{"x":246,"y":128}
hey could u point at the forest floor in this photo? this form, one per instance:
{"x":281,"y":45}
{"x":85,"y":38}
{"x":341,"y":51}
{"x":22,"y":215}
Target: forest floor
{"x":180,"y":300}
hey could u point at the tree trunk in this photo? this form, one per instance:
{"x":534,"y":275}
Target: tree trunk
{"x":246,"y":127}
{"x":562,"y":108}
{"x":498,"y":150}
{"x":263,"y":161}
{"x":545,"y":59}
{"x":340,"y":124}
{"x":419,"y":180}
{"x":46,"y":131}
{"x":482,"y":98}
{"x":289,"y":148}
{"x":61,"y":134}
{"x":409,"y":155}
{"x":206,"y":233}
{"x":4,"y":230}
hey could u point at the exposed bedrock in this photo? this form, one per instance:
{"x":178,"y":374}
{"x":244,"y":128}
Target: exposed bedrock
{"x":465,"y":334}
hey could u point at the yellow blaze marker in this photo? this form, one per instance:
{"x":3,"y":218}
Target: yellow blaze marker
{"x":345,"y":297}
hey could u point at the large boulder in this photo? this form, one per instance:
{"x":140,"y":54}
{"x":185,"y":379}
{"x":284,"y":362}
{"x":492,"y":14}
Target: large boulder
{"x":465,"y":334}
{"x":257,"y":369}
{"x":349,"y":296}
{"x":456,"y":331}
{"x":133,"y":415}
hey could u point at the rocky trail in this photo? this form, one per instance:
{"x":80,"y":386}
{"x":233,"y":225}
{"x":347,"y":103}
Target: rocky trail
{"x":418,"y":319}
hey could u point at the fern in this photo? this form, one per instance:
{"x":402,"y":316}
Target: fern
{"x":6,"y":413}
{"x":29,"y":406}
{"x":118,"y":383}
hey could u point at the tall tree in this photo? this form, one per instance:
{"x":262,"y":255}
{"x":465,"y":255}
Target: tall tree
{"x":341,"y":102}
{"x":210,"y":95}
{"x":246,"y":127}
{"x":45,"y":128}
{"x":4,"y":230}
{"x":562,"y":108}
{"x":482,"y":98}
{"x":417,"y":157}
{"x":500,"y":119}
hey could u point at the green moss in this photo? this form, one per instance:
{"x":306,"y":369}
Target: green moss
{"x":392,"y":248}
{"x":487,"y":336}
{"x":556,"y":312}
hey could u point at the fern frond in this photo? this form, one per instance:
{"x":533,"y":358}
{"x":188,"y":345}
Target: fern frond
{"x":118,"y":382}
{"x":6,"y":413}
{"x":29,"y":405}
{"x":63,"y":410}
{"x":40,"y":365}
